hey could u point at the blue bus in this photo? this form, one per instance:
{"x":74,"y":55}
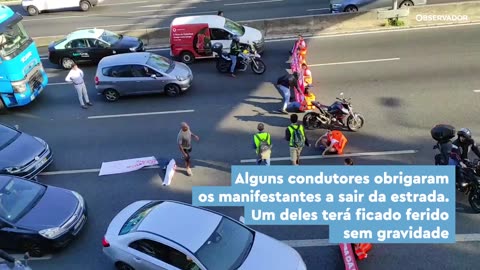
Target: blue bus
{"x":22,"y":76}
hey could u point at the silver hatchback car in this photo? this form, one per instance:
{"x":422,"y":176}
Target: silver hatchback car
{"x":141,"y":73}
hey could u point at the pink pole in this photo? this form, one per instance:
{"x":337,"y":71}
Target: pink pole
{"x":348,"y":257}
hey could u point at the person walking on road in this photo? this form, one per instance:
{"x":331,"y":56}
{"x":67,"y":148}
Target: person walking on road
{"x":263,"y":145}
{"x":75,"y":76}
{"x":184,"y":141}
{"x":295,"y":136}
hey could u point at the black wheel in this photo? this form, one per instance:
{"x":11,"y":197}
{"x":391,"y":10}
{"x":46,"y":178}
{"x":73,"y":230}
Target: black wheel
{"x":123,"y":266}
{"x":310,"y":121}
{"x":187,"y":57}
{"x":258,"y":66}
{"x":85,"y":5}
{"x":67,"y":62}
{"x":355,"y":124}
{"x":111,"y":95}
{"x":474,"y":200}
{"x":223,"y":66}
{"x":406,"y":3}
{"x":350,"y":8}
{"x":33,"y":248}
{"x":32,"y":11}
{"x":172,"y":90}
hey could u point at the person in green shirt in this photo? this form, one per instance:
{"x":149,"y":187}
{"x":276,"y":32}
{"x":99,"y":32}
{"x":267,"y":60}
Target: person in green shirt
{"x":262,"y":144}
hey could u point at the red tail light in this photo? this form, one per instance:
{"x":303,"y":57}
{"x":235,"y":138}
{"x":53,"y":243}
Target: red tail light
{"x":97,"y":81}
{"x":105,"y":242}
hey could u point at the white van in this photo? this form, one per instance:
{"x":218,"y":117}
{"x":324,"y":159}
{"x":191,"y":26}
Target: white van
{"x":191,"y":37}
{"x":35,"y":7}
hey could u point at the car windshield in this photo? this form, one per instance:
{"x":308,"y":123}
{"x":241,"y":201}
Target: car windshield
{"x":234,"y":27}
{"x":134,"y":221}
{"x":17,"y":197}
{"x":227,"y":247}
{"x":7,"y":136}
{"x":110,"y":37}
{"x":12,"y":39}
{"x":160,"y":63}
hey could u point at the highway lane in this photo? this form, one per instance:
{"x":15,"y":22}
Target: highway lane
{"x":140,"y":14}
{"x":401,"y":100}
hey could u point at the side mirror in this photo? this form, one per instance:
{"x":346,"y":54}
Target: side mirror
{"x":153,"y":76}
{"x":17,"y":127}
{"x":242,"y":219}
{"x":230,"y":36}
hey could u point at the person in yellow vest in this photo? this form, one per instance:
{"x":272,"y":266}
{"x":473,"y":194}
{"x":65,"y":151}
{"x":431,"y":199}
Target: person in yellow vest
{"x":295,"y":136}
{"x":262,"y":142}
{"x":307,"y":75}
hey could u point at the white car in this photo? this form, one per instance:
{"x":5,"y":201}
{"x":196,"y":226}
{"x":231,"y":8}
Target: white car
{"x":170,"y":235}
{"x":35,"y":7}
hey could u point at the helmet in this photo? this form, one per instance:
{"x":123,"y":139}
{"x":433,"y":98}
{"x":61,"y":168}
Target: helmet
{"x":236,"y":38}
{"x":465,"y":132}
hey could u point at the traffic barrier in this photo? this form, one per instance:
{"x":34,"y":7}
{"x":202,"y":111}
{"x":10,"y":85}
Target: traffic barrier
{"x":419,"y":16}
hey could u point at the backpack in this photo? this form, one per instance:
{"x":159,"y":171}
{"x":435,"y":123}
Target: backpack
{"x":298,"y":138}
{"x":264,"y":146}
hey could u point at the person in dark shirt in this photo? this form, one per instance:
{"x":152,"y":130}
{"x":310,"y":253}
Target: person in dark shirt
{"x":466,"y":142}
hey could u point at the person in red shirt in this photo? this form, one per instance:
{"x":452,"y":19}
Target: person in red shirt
{"x":333,"y":142}
{"x":307,"y":75}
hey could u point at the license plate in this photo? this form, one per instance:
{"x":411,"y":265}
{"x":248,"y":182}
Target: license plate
{"x":43,"y":161}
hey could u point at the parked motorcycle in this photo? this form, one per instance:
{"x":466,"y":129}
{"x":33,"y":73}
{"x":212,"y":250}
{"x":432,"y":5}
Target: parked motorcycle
{"x":469,"y":183}
{"x":249,"y":57}
{"x":340,"y":113}
{"x":13,"y":264}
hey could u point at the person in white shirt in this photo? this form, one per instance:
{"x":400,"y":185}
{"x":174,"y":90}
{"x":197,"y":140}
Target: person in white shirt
{"x":75,"y":76}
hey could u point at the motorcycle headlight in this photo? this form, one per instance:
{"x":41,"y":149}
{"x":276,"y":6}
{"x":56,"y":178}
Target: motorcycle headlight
{"x":19,"y":87}
{"x":80,"y":199}
{"x":12,"y":170}
{"x":52,"y":233}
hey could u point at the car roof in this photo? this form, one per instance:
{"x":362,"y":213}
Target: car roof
{"x":134,"y":58}
{"x":212,"y":20}
{"x":85,"y":33}
{"x":183,"y":224}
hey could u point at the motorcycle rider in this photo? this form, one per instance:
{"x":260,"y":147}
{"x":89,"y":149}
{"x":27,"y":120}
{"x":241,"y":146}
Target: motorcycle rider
{"x":466,"y":142}
{"x":234,"y":52}
{"x":455,"y":159}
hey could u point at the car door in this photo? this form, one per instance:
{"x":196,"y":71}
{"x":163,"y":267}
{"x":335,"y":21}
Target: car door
{"x":123,"y":79}
{"x":221,"y":36}
{"x":146,"y":80}
{"x":99,"y":49}
{"x":79,"y":50}
{"x":165,"y":256}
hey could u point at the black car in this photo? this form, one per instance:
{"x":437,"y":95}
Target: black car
{"x":21,"y":154}
{"x":37,"y":218}
{"x":91,"y":45}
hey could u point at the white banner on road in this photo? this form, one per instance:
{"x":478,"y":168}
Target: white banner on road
{"x":126,"y":165}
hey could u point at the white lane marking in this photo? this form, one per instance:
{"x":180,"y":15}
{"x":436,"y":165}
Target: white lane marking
{"x":317,"y":9}
{"x":138,"y":114}
{"x":160,"y":10}
{"x":382,"y":153}
{"x":249,"y":3}
{"x":87,"y":171}
{"x":172,"y":15}
{"x":158,"y":5}
{"x":470,"y":237}
{"x":476,"y":91}
{"x":58,"y":83}
{"x":56,"y":18}
{"x":355,"y":62}
{"x":107,"y":26}
{"x":124,"y":4}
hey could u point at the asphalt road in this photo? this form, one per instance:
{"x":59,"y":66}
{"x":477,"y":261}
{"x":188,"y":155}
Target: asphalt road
{"x":402,"y":82}
{"x":140,"y":14}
